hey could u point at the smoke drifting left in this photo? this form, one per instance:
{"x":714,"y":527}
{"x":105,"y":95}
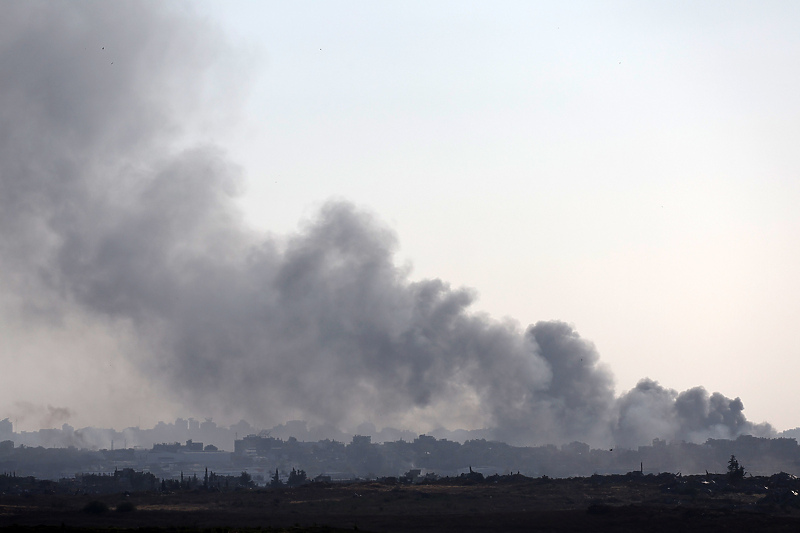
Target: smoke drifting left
{"x":104,"y":217}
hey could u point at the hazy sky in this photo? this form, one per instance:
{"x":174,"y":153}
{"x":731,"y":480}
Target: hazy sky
{"x":629,"y":168}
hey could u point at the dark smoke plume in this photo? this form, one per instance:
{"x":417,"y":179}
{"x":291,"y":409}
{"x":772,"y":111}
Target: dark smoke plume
{"x":104,"y":210}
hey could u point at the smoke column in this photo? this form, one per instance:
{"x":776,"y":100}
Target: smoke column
{"x":106,"y":209}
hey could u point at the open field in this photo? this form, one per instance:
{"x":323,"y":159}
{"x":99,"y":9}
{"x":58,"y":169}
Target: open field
{"x":509,"y":503}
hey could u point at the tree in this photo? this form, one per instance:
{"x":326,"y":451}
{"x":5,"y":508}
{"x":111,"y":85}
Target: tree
{"x":297,"y":477}
{"x":276,"y":480}
{"x":735,"y":470}
{"x":245,"y":480}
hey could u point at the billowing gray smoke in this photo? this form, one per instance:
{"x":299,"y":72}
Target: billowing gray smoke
{"x":101,"y":211}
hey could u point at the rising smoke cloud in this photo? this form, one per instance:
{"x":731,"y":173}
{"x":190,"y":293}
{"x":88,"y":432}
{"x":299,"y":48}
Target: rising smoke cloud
{"x":104,"y":210}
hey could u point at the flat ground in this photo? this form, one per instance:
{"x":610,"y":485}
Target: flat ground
{"x":509,"y":504}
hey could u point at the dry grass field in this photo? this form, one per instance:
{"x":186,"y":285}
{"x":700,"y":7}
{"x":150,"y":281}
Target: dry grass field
{"x":509,"y":504}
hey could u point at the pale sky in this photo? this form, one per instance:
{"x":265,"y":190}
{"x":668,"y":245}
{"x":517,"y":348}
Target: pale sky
{"x":630,"y":168}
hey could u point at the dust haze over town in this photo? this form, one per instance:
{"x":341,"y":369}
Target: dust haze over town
{"x":133,"y":283}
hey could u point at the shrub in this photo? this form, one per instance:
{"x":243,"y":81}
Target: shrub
{"x":95,"y":507}
{"x":125,"y":507}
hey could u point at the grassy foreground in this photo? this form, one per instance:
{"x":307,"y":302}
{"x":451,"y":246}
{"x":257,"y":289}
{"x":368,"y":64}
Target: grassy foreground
{"x":507,"y":503}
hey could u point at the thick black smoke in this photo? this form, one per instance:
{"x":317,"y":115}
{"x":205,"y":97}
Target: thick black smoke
{"x":102,"y":212}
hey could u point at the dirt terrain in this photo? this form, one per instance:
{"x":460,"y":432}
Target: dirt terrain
{"x":506,"y":503}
